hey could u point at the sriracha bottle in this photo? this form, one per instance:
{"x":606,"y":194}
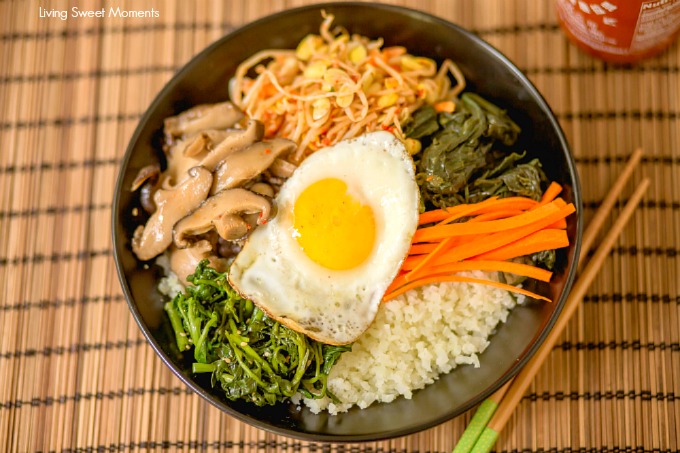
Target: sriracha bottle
{"x":620,"y":31}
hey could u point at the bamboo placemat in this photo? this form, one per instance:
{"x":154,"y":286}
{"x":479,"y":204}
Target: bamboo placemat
{"x":75,"y":372}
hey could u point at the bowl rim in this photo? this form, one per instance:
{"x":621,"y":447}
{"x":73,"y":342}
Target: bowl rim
{"x":338,"y":438}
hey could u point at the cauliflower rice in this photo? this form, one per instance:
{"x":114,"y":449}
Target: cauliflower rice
{"x":414,"y":339}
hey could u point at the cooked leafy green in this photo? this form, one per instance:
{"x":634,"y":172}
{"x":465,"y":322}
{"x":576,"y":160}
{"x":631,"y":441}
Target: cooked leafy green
{"x":465,"y":157}
{"x":250,"y":355}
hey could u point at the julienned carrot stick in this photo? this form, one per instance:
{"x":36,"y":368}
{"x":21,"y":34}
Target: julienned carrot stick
{"x":465,"y":211}
{"x":421,"y":249}
{"x":495,"y":240}
{"x":500,"y":214}
{"x":559,"y":225}
{"x":438,"y":215}
{"x":488,"y":205}
{"x":523,"y":270}
{"x":443,"y":245}
{"x":550,"y":193}
{"x":427,"y":247}
{"x":491,"y":241}
{"x":447,"y":242}
{"x":459,"y":278}
{"x":450,"y":241}
{"x":519,"y":203}
{"x":548,"y":239}
{"x":477,"y":209}
{"x":445,"y":106}
{"x":559,"y":202}
{"x":438,"y":232}
{"x":494,"y":231}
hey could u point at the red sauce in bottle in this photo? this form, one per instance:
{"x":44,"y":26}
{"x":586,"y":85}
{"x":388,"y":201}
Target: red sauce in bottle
{"x":620,"y":31}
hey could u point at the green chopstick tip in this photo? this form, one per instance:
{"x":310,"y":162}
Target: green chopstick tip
{"x":486,"y":441}
{"x":482,"y":416}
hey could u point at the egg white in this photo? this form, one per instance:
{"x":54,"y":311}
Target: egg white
{"x":333,"y":306}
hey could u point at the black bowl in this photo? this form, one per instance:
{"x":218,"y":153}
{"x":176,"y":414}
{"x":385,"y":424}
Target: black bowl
{"x":204,"y":80}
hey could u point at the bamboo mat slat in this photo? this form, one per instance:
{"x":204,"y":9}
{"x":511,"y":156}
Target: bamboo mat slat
{"x":75,"y":371}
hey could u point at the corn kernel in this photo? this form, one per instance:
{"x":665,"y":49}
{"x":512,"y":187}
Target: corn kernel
{"x":320,"y":108}
{"x":409,"y":63}
{"x":342,"y":39}
{"x":424,"y":61}
{"x":307,"y":46}
{"x":315,"y":70}
{"x":413,"y":146}
{"x":387,"y":100}
{"x":334,"y":76}
{"x":367,"y":81}
{"x":373,"y":88}
{"x":344,"y":100}
{"x":391,"y":83}
{"x":358,"y":54}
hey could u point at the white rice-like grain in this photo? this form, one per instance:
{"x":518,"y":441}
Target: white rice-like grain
{"x":414,"y":339}
{"x":169,"y":285}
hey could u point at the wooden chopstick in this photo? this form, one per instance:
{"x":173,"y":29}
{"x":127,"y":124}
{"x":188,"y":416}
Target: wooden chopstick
{"x":522,"y":381}
{"x":489,"y":406}
{"x":605,"y":208}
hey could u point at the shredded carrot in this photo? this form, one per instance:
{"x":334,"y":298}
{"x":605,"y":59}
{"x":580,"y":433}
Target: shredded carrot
{"x":547,"y":239}
{"x":443,"y":245}
{"x":491,"y":241}
{"x":445,"y":106}
{"x":394,"y":51}
{"x":493,"y":209}
{"x":463,"y":212}
{"x":559,"y":225}
{"x":489,"y":205}
{"x":268,"y":90}
{"x":459,"y":278}
{"x":438,"y":232}
{"x":551,"y":193}
{"x":438,"y":215}
{"x":484,"y":236}
{"x":482,"y":243}
{"x":421,"y":249}
{"x":428,"y":247}
{"x":559,"y":202}
{"x":447,"y":242}
{"x":519,"y":203}
{"x":500,"y":214}
{"x":524,"y":270}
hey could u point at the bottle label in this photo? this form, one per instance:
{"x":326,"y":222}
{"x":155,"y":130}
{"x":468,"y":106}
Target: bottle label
{"x":616,"y":27}
{"x":657,"y":20}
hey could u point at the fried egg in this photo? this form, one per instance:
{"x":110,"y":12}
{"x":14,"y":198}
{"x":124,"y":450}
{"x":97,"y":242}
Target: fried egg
{"x":344,"y":225}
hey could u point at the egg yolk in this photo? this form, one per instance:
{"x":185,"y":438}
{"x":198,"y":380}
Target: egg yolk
{"x":333,"y":228}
